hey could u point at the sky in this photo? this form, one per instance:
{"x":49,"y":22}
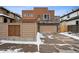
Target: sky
{"x":59,"y":10}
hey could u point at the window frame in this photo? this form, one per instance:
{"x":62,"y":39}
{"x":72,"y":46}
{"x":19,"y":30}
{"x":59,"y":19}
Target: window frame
{"x":46,"y":17}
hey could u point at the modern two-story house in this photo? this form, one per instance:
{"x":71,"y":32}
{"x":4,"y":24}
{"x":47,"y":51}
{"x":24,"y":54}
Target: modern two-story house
{"x":45,"y":19}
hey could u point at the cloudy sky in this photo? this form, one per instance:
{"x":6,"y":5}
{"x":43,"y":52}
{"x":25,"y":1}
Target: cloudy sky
{"x":59,"y":10}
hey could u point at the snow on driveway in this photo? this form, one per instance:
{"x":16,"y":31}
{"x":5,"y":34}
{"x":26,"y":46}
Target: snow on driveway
{"x":70,"y":35}
{"x":38,"y":41}
{"x":17,"y":42}
{"x":11,"y":51}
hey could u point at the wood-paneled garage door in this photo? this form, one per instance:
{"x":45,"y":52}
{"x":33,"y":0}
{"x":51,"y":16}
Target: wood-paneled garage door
{"x":13,"y":30}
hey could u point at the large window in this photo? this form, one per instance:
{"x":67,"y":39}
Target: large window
{"x":46,"y":17}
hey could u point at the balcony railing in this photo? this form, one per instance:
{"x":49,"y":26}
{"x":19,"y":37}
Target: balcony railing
{"x":50,"y":20}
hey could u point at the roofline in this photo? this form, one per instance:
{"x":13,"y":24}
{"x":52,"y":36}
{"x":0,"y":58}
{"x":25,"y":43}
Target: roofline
{"x":10,"y":11}
{"x":4,"y":8}
{"x":6,"y":17}
{"x":74,"y":18}
{"x":70,"y":13}
{"x":15,"y":14}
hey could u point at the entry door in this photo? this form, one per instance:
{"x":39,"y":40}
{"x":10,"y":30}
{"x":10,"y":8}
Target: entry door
{"x":13,"y":30}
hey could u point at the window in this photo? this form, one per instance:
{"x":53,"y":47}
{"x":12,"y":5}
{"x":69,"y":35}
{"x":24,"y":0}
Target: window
{"x":28,"y":15}
{"x":68,"y":16}
{"x":10,"y":21}
{"x":46,"y":17}
{"x":77,"y":22}
{"x":5,"y":20}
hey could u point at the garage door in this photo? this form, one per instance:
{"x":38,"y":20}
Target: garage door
{"x":29,"y":30}
{"x":48,"y":29}
{"x":13,"y":30}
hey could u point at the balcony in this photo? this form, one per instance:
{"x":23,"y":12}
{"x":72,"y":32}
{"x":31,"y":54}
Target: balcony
{"x":51,"y":20}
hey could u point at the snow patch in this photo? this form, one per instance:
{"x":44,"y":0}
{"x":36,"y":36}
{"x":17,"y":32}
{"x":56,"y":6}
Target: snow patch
{"x":38,"y":42}
{"x":50,"y":36}
{"x":11,"y":51}
{"x":17,"y":50}
{"x":62,"y":44}
{"x":38,"y":37}
{"x":17,"y":42}
{"x":70,"y":35}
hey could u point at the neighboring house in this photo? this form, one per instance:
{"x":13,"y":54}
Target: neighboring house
{"x":8,"y":21}
{"x":70,"y":22}
{"x":37,"y":20}
{"x":7,"y":16}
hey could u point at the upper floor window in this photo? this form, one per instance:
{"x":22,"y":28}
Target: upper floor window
{"x":28,"y":15}
{"x":46,"y":17}
{"x":77,"y":22}
{"x":68,"y":16}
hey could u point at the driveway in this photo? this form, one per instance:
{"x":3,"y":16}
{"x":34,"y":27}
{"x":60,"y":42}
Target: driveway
{"x":59,"y":44}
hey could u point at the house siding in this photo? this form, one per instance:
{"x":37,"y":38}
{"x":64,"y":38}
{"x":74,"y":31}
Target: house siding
{"x":1,"y":19}
{"x":3,"y":29}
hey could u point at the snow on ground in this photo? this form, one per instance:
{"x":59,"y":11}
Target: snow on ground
{"x":38,"y":42}
{"x":62,"y":44}
{"x":17,"y":42}
{"x":50,"y":36}
{"x":38,"y":37}
{"x":24,"y":42}
{"x":11,"y":51}
{"x":70,"y":35}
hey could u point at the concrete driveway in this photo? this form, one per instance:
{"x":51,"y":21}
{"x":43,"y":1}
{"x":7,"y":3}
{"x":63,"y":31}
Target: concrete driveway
{"x":60,"y":44}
